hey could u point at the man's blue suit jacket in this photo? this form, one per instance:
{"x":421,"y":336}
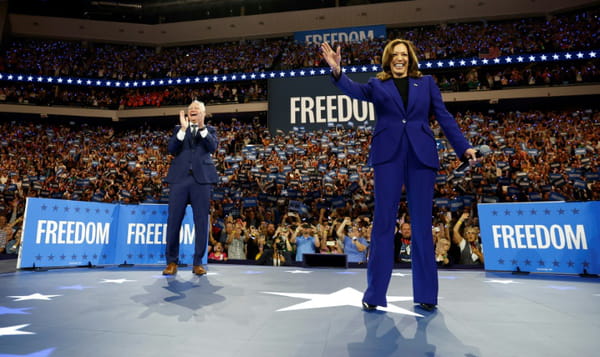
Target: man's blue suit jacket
{"x":393,"y":119}
{"x":195,"y":154}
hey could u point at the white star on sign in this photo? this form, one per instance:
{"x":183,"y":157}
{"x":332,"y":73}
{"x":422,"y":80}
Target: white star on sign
{"x":36,"y":296}
{"x":502,"y":281}
{"x":298,"y":271}
{"x":14,"y":330}
{"x":343,"y":297}
{"x":115,"y":281}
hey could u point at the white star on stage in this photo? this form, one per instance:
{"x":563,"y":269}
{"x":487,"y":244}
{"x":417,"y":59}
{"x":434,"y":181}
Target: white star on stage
{"x":400,"y":274}
{"x":162,"y":276}
{"x":343,"y":297}
{"x":116,"y":281}
{"x":250,"y":272}
{"x":22,"y":311}
{"x":561,"y":287}
{"x":298,"y":271}
{"x":36,"y":296}
{"x":74,"y":287}
{"x":14,"y":330}
{"x":43,"y":353}
{"x":448,"y":277}
{"x":502,"y":281}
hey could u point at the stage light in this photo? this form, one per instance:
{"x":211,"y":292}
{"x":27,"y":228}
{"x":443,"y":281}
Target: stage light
{"x":438,"y":64}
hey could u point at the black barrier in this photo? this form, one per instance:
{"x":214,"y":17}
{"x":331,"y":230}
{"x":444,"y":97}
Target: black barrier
{"x":325,"y":260}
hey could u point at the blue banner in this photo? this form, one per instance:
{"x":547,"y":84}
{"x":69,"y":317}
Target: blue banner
{"x":548,"y":237}
{"x":441,"y":202}
{"x":63,"y":233}
{"x":338,"y":202}
{"x":346,"y":34}
{"x":250,"y":202}
{"x":298,"y":206}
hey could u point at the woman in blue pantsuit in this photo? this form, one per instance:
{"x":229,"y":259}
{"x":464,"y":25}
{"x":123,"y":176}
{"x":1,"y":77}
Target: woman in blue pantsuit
{"x":403,"y":153}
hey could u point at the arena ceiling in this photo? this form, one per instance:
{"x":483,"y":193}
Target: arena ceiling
{"x":164,"y":11}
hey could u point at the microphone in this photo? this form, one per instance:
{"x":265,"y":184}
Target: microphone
{"x":479,"y":153}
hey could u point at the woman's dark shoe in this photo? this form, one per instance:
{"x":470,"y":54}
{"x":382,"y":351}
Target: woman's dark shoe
{"x":368,"y":307}
{"x":428,"y":307}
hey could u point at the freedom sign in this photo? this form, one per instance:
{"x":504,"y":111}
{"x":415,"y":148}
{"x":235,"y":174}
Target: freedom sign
{"x":64,"y":233}
{"x":545,"y":237}
{"x":344,"y":34}
{"x":314,"y":103}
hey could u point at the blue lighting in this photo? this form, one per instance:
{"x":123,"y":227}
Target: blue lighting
{"x":456,"y":63}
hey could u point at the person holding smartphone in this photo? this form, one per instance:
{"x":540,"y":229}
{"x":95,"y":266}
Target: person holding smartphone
{"x":329,"y":243}
{"x":355,"y":241}
{"x":191,"y":176}
{"x":305,"y":241}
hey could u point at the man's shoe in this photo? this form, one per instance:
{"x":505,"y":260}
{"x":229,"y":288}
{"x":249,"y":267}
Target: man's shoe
{"x":171,"y":269}
{"x":198,"y":270}
{"x":428,"y":307}
{"x":368,"y":307}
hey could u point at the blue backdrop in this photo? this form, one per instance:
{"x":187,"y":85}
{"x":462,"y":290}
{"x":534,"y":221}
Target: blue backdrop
{"x":551,"y":237}
{"x":63,"y":233}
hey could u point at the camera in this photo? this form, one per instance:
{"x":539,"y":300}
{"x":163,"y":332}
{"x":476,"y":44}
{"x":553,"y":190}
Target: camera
{"x":330,"y":243}
{"x":279,"y":245}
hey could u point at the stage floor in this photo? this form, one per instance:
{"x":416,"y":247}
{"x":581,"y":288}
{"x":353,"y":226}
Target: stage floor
{"x":241,"y":310}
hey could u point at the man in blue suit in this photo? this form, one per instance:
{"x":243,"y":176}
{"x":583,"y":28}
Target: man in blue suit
{"x":403,"y":154}
{"x":190,"y":177}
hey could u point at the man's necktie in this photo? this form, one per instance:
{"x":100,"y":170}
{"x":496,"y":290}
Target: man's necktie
{"x":194,"y":130}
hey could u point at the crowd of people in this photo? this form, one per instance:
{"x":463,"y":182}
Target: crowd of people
{"x":572,"y":31}
{"x":321,"y":177}
{"x":283,"y":195}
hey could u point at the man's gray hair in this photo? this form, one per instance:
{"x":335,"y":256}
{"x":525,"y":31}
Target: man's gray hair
{"x":199,"y":103}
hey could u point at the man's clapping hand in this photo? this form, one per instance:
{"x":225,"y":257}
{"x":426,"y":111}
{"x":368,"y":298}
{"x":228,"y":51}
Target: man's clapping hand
{"x":183,"y":121}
